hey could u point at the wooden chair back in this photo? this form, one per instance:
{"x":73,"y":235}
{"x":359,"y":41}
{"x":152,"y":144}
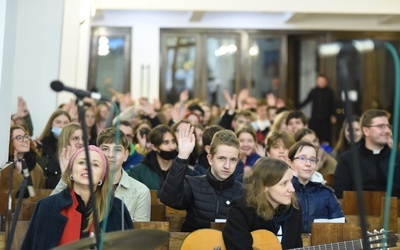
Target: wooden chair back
{"x":217,"y":225}
{"x":329,"y":180}
{"x":158,"y":212}
{"x":155,"y":225}
{"x":154,"y":197}
{"x":323,"y":233}
{"x":175,"y":218}
{"x":5,"y":172}
{"x":176,"y":239}
{"x":374,"y":208}
{"x":19,"y":235}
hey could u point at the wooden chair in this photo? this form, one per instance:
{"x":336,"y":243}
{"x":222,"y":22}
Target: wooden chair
{"x":348,"y":236}
{"x":20,"y":231}
{"x":154,"y":197}
{"x":27,"y":209}
{"x":158,"y":212}
{"x":156,"y":225}
{"x":322,"y":233}
{"x":374,"y":206}
{"x":176,"y":239}
{"x":329,"y":180}
{"x":217,"y":225}
{"x":175,"y":218}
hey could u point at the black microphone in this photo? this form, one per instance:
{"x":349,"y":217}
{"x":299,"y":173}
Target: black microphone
{"x":58,"y":86}
{"x":27,"y":176}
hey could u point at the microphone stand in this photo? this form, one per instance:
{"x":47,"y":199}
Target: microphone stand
{"x":342,"y":62}
{"x":22,"y":189}
{"x":81,"y":113}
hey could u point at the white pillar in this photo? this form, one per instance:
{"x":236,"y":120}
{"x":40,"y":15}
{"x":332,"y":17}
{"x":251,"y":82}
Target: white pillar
{"x":30,"y":60}
{"x":8,"y":20}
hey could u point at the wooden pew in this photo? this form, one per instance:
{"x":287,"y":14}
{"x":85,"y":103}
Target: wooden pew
{"x":175,"y":218}
{"x":158,"y":212}
{"x":156,"y":225}
{"x":322,"y":233}
{"x":176,"y":239}
{"x":217,"y":225}
{"x":19,"y":235}
{"x":374,"y":206}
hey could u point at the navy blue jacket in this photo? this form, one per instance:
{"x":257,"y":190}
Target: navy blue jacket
{"x":47,"y":224}
{"x":317,"y":201}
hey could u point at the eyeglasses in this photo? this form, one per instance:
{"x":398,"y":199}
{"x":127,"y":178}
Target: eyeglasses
{"x":381,"y":126}
{"x":21,"y":138}
{"x":304,"y":159}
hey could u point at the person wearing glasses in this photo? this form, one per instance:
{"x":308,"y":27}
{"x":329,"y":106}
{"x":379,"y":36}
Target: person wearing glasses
{"x":22,"y":150}
{"x":373,"y":156}
{"x":317,"y":201}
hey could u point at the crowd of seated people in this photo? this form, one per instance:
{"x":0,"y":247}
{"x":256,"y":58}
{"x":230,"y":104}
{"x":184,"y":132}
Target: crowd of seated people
{"x":175,"y":147}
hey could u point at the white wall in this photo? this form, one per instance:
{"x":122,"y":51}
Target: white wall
{"x":8,"y":20}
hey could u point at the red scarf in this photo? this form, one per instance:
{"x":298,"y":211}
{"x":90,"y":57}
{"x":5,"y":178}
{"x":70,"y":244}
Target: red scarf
{"x":72,"y":230}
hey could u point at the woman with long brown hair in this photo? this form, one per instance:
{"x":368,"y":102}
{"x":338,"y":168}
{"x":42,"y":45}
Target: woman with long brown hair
{"x":68,"y":216}
{"x":22,"y":150}
{"x":269,"y":203}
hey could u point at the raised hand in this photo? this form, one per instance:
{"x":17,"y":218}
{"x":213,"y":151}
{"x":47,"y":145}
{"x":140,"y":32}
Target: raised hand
{"x":65,"y":157}
{"x":260,"y":150}
{"x":230,"y":101}
{"x":271,"y":99}
{"x":22,"y":107}
{"x":186,"y":141}
{"x":242,"y":97}
{"x":141,"y":139}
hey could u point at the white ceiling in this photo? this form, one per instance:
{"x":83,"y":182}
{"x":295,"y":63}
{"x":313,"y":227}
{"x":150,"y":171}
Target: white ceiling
{"x":377,"y":12}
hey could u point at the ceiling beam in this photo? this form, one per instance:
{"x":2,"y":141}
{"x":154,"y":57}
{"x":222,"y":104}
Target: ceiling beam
{"x":389,"y":19}
{"x":196,"y":16}
{"x":293,"y":17}
{"x":385,"y":7}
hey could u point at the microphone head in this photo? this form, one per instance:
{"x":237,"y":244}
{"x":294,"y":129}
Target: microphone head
{"x":57,"y":86}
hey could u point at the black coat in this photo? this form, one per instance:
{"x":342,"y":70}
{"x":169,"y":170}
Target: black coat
{"x":242,"y":220}
{"x":47,"y":225}
{"x":374,"y":171}
{"x":203,"y":197}
{"x":49,"y":161}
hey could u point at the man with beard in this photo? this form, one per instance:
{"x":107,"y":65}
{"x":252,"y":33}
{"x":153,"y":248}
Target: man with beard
{"x":208,"y":197}
{"x":374,"y":154}
{"x":153,"y":169}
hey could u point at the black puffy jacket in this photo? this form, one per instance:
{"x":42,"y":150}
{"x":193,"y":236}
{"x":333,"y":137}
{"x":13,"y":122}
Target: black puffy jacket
{"x":203,"y":197}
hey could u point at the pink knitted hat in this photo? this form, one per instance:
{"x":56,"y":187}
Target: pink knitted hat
{"x":91,"y":148}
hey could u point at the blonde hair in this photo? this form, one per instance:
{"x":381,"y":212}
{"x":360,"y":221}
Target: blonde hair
{"x":279,"y":118}
{"x":266,"y":173}
{"x":100,"y":194}
{"x":66,"y":132}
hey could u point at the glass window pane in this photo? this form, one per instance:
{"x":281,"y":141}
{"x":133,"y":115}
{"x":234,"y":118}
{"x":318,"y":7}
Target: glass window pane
{"x":179,"y":71}
{"x":265,"y":60}
{"x":109,"y":65}
{"x":221,"y":67}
